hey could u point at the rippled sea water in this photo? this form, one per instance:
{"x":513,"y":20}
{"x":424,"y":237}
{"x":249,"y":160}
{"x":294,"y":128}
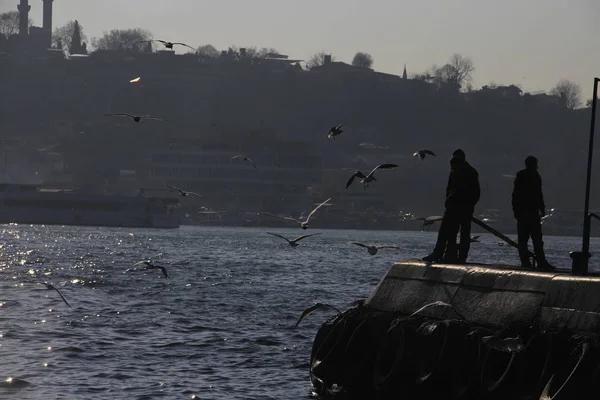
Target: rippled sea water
{"x":221,"y":326}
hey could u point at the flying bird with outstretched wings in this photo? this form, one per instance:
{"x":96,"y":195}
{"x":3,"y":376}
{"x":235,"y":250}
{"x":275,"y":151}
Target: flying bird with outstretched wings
{"x":334,"y":131}
{"x":303,"y":223}
{"x":150,"y":265}
{"x":373,"y":249}
{"x":423,"y":153}
{"x":136,"y":118}
{"x":183,"y":192}
{"x":294,"y":242}
{"x":168,"y":45}
{"x":365,"y":179}
{"x":314,"y":307}
{"x":245,"y":158}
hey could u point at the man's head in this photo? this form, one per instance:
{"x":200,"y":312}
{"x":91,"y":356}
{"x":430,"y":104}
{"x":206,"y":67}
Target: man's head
{"x":460,"y":154}
{"x":531,"y":162}
{"x":456,"y":162}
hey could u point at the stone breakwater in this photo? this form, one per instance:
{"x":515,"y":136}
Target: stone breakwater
{"x":464,"y":332}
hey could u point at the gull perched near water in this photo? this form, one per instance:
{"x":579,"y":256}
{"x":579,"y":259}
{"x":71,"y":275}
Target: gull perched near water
{"x":136,"y":118}
{"x":183,"y":192}
{"x":315,"y":306}
{"x":303,"y":224}
{"x":372,"y":249}
{"x":334,"y":131}
{"x":168,"y":45}
{"x":150,"y":265}
{"x":370,"y":177}
{"x":422,"y":153}
{"x":294,"y":243}
{"x":245,"y":158}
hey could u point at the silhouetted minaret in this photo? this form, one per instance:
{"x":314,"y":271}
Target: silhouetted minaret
{"x":404,"y":74}
{"x":24,"y":8}
{"x":47,"y":18}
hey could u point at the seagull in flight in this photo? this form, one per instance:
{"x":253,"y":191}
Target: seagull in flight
{"x":136,"y":118}
{"x":315,"y":306}
{"x":150,"y":265}
{"x":374,"y":249}
{"x":248,"y":159}
{"x":370,"y":177}
{"x":422,"y":153}
{"x":294,"y":243}
{"x":303,"y":224}
{"x":475,"y":239}
{"x":428,"y":220}
{"x":135,"y":80}
{"x":183,"y":192}
{"x":168,"y":45}
{"x":334,"y":131}
{"x":51,"y":287}
{"x":550,"y":214}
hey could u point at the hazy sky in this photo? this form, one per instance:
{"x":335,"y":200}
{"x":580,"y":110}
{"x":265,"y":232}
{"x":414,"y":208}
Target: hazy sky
{"x":532,"y":43}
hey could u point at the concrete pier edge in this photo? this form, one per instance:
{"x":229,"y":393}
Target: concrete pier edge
{"x":491,"y":295}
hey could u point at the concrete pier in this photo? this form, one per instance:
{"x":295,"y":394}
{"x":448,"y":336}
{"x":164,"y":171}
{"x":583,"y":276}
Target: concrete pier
{"x":431,"y":331}
{"x":491,"y":295}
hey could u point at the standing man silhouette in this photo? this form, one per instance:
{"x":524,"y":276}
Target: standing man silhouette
{"x":462,"y":194}
{"x":529,"y":208}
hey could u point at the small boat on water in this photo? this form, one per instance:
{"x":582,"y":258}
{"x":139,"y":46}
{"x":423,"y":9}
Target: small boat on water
{"x":34,"y":204}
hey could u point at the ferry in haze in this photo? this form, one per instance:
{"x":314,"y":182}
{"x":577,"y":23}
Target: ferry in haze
{"x":33,"y":204}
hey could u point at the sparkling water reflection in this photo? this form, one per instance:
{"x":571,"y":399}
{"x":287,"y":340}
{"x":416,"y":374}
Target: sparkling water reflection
{"x":220,"y":327}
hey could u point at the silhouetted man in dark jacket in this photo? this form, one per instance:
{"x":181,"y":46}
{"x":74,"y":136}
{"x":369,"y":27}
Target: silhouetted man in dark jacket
{"x":462,"y":194}
{"x":529,"y":208}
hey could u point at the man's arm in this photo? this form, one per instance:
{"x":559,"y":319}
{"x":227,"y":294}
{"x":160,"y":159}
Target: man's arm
{"x":541,"y":200}
{"x":476,"y":188}
{"x":515,"y":194}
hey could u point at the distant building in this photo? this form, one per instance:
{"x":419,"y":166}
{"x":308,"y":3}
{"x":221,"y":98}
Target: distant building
{"x":31,"y":39}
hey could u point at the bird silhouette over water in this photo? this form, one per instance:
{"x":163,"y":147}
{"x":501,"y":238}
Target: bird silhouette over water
{"x":545,"y":217}
{"x":245,"y":158}
{"x":423,"y":153}
{"x":334,"y":131}
{"x":428,"y":220}
{"x":365,"y":179}
{"x":315,"y":306}
{"x":168,"y":45}
{"x":150,"y":265}
{"x":294,"y":243}
{"x":183,"y":192}
{"x":303,"y":223}
{"x":136,"y":118}
{"x":372,"y":249}
{"x":475,"y":239}
{"x":50,"y":287}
